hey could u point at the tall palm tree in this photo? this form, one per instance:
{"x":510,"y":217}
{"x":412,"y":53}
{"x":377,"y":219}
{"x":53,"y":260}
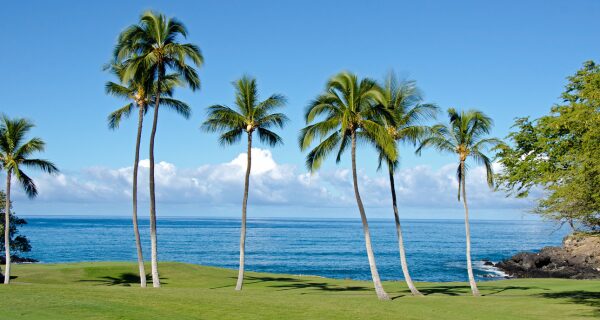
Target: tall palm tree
{"x":140,"y":93}
{"x":404,"y":100}
{"x":344,"y":114}
{"x":464,"y":136}
{"x":151,"y":48}
{"x":250,"y":115}
{"x":15,"y":154}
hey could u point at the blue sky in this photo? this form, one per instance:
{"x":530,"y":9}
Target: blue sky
{"x":507,"y":58}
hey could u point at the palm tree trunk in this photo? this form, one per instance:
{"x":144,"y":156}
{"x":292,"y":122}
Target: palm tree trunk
{"x":381,"y":294}
{"x":468,"y":233}
{"x":7,"y":228}
{"x":136,"y":230}
{"x":403,"y":262}
{"x":153,"y":240}
{"x":240,"y":280}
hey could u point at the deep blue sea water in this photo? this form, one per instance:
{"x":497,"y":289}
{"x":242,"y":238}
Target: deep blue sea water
{"x":329,"y":248}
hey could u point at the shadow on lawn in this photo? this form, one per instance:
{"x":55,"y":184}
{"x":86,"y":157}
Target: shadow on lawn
{"x":465,"y":290}
{"x":495,"y":290}
{"x":587,"y":298}
{"x":448,"y":290}
{"x":11,"y":277}
{"x":285,"y":283}
{"x":125,"y":279}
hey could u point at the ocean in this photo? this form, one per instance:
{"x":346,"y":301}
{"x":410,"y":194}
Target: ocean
{"x":322,"y":247}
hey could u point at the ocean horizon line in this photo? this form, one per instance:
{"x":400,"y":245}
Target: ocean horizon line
{"x":299,"y":218}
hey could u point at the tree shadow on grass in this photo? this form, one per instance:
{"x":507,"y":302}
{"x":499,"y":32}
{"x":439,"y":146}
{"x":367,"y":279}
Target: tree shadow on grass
{"x":11,"y":277}
{"x":587,"y":298}
{"x":448,"y":290}
{"x":465,"y":290}
{"x":286,"y":283}
{"x":496,"y":290}
{"x":125,"y":279}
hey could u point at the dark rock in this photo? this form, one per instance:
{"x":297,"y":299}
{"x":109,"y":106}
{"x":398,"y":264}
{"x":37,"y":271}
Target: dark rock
{"x":487,"y":263}
{"x":578,"y":258}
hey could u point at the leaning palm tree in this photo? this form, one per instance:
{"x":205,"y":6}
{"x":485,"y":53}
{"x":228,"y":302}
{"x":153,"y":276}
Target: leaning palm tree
{"x":464,"y":137}
{"x":141,"y":94}
{"x":404,"y":101}
{"x":249,"y":115}
{"x":340,"y":117}
{"x":15,"y":154}
{"x":151,"y":48}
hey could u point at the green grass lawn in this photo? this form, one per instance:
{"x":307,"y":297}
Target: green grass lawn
{"x":108,"y":290}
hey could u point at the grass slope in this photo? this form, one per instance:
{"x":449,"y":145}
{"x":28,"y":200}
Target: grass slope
{"x":108,"y":290}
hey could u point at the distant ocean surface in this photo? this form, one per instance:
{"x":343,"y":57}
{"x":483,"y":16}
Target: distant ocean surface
{"x":323,"y":247}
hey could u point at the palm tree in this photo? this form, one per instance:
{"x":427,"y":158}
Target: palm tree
{"x":15,"y":155}
{"x":151,"y":48}
{"x":343,"y":115}
{"x":140,"y":93}
{"x":404,"y":102}
{"x":250,"y":115}
{"x":464,"y":137}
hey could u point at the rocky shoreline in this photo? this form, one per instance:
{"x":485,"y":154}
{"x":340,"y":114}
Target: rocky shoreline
{"x":578,"y":258}
{"x":17,"y":259}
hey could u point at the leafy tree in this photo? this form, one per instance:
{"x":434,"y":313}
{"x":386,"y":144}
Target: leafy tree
{"x":250,"y":115}
{"x":151,"y":48}
{"x":340,"y":117}
{"x":404,"y":101}
{"x":465,"y":136}
{"x":18,"y":243}
{"x":15,"y":154}
{"x":557,"y":155}
{"x":141,"y":95}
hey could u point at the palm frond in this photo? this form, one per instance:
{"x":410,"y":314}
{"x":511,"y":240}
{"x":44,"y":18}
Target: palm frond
{"x":28,"y":148}
{"x":273,"y":119}
{"x":380,"y":138}
{"x":438,"y":137}
{"x":487,"y":164}
{"x":114,"y":119}
{"x":221,"y":118}
{"x":118,"y":90}
{"x":316,"y":156}
{"x":41,"y":164}
{"x":230,"y":137}
{"x":246,"y":95}
{"x":27,"y":183}
{"x":316,"y":131}
{"x":178,"y":106}
{"x":269,"y":137}
{"x":273,"y":102}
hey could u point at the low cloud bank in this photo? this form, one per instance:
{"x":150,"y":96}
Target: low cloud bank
{"x":272,"y":184}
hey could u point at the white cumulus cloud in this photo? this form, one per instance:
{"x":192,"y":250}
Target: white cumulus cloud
{"x":271,"y":183}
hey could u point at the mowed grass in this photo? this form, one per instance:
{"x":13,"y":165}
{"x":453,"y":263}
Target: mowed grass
{"x":108,"y":290}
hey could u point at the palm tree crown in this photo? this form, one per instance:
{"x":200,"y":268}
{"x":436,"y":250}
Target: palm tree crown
{"x":465,"y":137}
{"x":141,"y":92}
{"x":152,"y":46}
{"x":404,"y":101}
{"x":348,"y":107}
{"x":15,"y":152}
{"x":249,"y":115}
